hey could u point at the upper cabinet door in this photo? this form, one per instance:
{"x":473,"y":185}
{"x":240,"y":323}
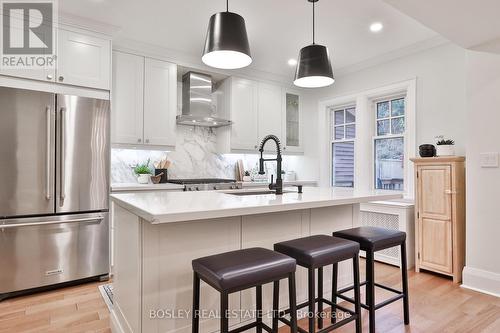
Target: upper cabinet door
{"x":83,"y":60}
{"x":292,"y":122}
{"x":270,"y":111}
{"x":160,"y":102}
{"x":127,"y":107}
{"x":46,"y":73}
{"x":244,"y":114}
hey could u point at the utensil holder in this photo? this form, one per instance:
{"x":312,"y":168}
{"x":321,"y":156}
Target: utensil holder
{"x":164,"y":177}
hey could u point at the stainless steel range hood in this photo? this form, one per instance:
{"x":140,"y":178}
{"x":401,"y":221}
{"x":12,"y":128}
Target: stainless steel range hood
{"x":197,"y":104}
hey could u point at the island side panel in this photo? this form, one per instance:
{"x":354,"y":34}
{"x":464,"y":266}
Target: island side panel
{"x":327,"y":220}
{"x":168,"y":276}
{"x":127,"y":270}
{"x":264,"y":230}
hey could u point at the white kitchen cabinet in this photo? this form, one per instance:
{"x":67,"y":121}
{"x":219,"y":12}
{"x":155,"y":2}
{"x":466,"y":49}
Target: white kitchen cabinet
{"x":238,"y":101}
{"x":128,"y":98}
{"x":83,"y":60}
{"x":144,"y":102}
{"x":292,"y":121}
{"x":258,"y":109}
{"x":160,"y":102}
{"x":270,"y":113}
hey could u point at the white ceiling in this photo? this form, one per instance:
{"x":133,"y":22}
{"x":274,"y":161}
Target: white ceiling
{"x":473,"y":24}
{"x":277,"y":29}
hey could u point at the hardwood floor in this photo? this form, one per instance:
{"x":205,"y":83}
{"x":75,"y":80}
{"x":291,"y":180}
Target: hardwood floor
{"x":73,"y":309}
{"x":436,"y":305}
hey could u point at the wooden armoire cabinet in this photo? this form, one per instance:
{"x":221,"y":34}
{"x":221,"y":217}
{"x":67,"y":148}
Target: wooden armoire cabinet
{"x":440,"y":215}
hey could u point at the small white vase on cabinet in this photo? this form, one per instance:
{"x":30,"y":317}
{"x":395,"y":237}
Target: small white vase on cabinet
{"x":445,"y":150}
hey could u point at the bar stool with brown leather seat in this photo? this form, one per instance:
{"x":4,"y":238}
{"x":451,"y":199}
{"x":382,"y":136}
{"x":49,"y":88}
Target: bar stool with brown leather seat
{"x":315,"y":252}
{"x":372,"y":239}
{"x":234,"y":271}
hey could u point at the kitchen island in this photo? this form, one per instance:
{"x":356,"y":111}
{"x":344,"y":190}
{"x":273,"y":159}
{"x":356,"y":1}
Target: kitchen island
{"x":157,"y":234}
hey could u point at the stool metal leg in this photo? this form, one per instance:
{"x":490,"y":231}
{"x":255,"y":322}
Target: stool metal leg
{"x":293,"y":303}
{"x":224,"y":305}
{"x":258,"y":302}
{"x":276,"y":305}
{"x":370,"y":288}
{"x":320,"y":296}
{"x":335,"y":268}
{"x":195,"y":325}
{"x":357,"y":296}
{"x":311,"y":295}
{"x":404,"y":268}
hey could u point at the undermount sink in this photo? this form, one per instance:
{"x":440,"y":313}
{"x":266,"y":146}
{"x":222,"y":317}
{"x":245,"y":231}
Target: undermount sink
{"x":256,"y":192}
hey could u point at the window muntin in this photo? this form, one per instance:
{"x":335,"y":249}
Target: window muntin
{"x":344,"y":124}
{"x":389,"y":144}
{"x":343,"y":133}
{"x":391,"y":117}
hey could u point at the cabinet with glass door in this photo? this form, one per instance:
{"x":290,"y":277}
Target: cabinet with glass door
{"x":292,"y":122}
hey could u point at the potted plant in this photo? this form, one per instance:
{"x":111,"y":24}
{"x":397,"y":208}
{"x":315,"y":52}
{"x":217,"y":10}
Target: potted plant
{"x":445,"y":147}
{"x":143,"y":172}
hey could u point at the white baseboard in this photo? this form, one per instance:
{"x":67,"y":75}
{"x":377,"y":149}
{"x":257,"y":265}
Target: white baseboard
{"x":482,"y":281}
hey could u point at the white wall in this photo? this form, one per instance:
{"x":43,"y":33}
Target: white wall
{"x":482,"y":269}
{"x":440,"y":92}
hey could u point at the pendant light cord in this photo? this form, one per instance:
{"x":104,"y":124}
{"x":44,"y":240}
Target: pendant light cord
{"x":227,"y":5}
{"x":313,"y":22}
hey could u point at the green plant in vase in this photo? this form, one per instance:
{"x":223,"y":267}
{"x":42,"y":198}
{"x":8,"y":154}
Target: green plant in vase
{"x":143,"y":172}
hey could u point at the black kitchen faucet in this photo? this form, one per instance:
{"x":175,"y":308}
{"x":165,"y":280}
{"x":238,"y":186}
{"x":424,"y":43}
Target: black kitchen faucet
{"x":278,"y":187}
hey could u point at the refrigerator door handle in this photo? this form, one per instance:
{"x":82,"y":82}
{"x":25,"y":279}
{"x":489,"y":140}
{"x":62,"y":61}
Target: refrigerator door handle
{"x":62,"y":189}
{"x":32,"y":224}
{"x":48,"y":157}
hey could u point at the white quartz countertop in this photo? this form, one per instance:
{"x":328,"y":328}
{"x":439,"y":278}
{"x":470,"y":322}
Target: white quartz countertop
{"x":129,"y":187}
{"x":164,"y":207}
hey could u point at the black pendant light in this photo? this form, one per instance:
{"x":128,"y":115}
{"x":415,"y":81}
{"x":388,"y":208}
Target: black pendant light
{"x":314,"y":69}
{"x":226,"y":45}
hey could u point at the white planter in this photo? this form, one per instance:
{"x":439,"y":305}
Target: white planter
{"x":445,"y":150}
{"x":143,"y":179}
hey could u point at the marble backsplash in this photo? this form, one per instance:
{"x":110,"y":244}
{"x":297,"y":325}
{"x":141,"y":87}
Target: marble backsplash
{"x":195,"y":156}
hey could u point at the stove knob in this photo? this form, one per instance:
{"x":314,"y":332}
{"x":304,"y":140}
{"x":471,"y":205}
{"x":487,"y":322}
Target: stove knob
{"x":233,"y":187}
{"x":190,"y":189}
{"x":197,"y":188}
{"x":215,"y":187}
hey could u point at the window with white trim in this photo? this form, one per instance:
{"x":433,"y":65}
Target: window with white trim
{"x":343,"y":134}
{"x":389,"y":143}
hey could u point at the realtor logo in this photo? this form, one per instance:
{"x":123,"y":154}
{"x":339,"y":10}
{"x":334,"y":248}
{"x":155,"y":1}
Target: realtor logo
{"x":28,"y":34}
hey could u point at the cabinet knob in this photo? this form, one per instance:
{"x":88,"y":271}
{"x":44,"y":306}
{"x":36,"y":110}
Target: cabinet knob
{"x":61,"y":78}
{"x":49,"y":77}
{"x":147,"y":140}
{"x":139,"y":140}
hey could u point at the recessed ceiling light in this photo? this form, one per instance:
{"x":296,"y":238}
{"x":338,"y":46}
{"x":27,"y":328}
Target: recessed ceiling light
{"x":376,"y":27}
{"x":292,"y":62}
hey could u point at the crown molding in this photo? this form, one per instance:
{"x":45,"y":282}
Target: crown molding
{"x":78,"y":22}
{"x":393,"y":55}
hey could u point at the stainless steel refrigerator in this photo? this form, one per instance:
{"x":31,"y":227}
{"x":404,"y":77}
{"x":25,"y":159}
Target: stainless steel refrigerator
{"x":54,"y":183}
